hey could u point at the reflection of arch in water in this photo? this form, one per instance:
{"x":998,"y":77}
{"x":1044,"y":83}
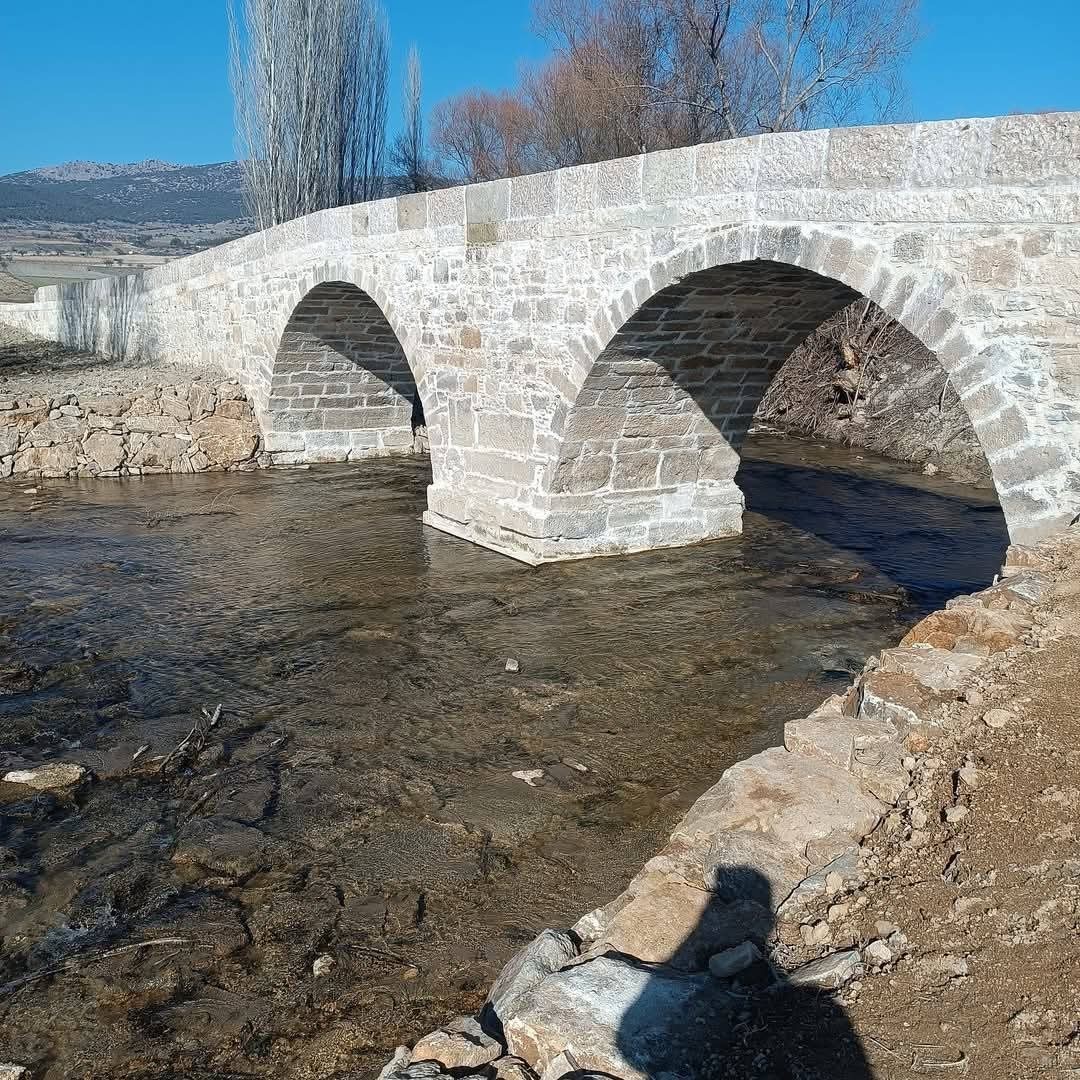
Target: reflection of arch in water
{"x":341,"y":382}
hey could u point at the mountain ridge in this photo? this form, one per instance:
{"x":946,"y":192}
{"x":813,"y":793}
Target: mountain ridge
{"x":141,"y":192}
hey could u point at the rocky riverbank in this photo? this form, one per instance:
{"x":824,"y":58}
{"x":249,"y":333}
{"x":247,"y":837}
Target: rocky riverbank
{"x":181,"y":428}
{"x":65,"y":413}
{"x":887,"y":893}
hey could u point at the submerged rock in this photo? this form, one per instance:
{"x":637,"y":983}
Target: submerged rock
{"x":51,"y":777}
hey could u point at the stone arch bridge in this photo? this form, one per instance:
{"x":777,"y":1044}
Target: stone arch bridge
{"x":588,"y":346}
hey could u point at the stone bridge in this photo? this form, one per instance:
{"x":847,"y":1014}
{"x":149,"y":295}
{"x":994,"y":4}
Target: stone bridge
{"x":588,"y":346}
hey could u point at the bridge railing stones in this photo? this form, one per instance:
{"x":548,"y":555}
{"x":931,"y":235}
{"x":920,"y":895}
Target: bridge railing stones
{"x":504,"y":297}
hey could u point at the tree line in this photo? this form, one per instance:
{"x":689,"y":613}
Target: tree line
{"x":623,"y":77}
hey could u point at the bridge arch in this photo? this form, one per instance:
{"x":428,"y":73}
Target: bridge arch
{"x":341,"y":385}
{"x":670,"y":375}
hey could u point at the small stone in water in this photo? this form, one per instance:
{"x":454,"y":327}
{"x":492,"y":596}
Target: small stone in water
{"x":29,"y":491}
{"x":530,"y":776}
{"x":57,"y":774}
{"x":323,"y":965}
{"x":512,"y":666}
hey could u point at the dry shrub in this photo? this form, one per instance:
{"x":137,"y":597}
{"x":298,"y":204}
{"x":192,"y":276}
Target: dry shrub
{"x":863,"y":380}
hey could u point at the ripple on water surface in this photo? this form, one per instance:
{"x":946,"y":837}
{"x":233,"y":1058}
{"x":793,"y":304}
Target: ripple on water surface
{"x":357,"y":799}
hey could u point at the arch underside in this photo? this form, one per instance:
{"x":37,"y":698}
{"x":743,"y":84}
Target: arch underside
{"x":650,"y":448}
{"x":342,"y":387}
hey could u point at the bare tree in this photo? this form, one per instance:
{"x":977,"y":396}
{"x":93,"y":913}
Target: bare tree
{"x":483,"y":136}
{"x":309,"y":83}
{"x":409,"y":155}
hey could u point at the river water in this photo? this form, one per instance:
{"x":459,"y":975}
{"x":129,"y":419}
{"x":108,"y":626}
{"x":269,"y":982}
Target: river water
{"x":355,"y":803}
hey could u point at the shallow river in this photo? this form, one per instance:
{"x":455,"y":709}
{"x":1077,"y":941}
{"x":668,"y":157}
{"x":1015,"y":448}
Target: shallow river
{"x":355,"y":800}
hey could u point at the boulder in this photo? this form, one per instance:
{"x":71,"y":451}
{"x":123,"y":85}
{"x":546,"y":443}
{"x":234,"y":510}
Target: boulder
{"x":176,"y":408}
{"x":159,"y":451}
{"x":969,"y":628}
{"x":202,"y":400}
{"x":792,"y":799}
{"x":683,"y":926}
{"x":46,"y":460}
{"x":225,"y":441}
{"x":547,"y":953}
{"x":9,"y":441}
{"x":937,"y":669}
{"x":106,"y":405}
{"x":621,"y":1019}
{"x":462,"y":1044}
{"x":65,"y":429}
{"x":107,"y":451}
{"x":144,"y":405}
{"x":235,"y":409}
{"x":152,"y":424}
{"x":751,"y":867}
{"x":229,"y":391}
{"x":896,"y":698}
{"x":51,"y":777}
{"x":27,"y":417}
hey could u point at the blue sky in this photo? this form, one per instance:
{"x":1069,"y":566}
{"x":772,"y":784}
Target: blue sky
{"x":123,"y":80}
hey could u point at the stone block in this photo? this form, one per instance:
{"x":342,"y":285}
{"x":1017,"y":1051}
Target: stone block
{"x":412,"y":211}
{"x":669,"y":174}
{"x":635,"y":471}
{"x":950,"y":152}
{"x":382,"y":216}
{"x":1030,"y":150}
{"x":533,"y":196}
{"x":868,"y":157}
{"x":730,"y":166}
{"x":487,"y":204}
{"x":446,"y":207}
{"x":499,"y":431}
{"x":577,"y":189}
{"x":618,"y":183}
{"x":793,"y":159}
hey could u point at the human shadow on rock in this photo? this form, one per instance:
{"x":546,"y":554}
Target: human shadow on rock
{"x":753,"y":1024}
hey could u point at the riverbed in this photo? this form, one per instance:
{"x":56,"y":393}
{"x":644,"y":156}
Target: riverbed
{"x":354,"y":810}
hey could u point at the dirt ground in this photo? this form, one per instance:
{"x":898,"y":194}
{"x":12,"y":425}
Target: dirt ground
{"x":990,"y":985}
{"x":971,"y":889}
{"x":32,"y":367}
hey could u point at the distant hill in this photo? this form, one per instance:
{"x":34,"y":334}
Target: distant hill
{"x":144,"y":192}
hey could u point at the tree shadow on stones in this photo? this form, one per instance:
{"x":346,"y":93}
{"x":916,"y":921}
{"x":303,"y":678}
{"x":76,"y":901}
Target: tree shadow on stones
{"x":756,"y":1024}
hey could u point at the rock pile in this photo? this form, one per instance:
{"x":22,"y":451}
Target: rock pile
{"x":182,"y":428}
{"x":759,"y":904}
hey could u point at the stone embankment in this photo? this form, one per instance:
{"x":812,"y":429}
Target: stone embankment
{"x":770,"y":934}
{"x":182,"y":428}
